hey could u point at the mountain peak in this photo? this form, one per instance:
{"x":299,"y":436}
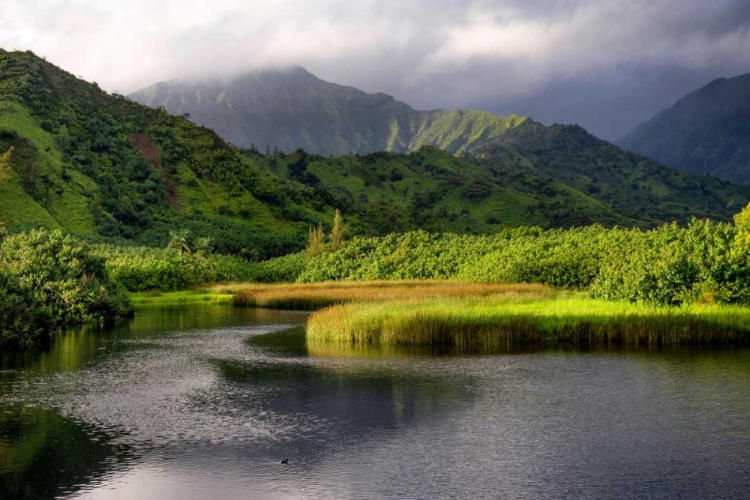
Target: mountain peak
{"x":704,"y":133}
{"x":289,"y":108}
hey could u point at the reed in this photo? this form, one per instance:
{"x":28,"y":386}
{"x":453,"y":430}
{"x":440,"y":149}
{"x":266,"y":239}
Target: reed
{"x":310,"y":297}
{"x":156,"y":297}
{"x":504,"y":320}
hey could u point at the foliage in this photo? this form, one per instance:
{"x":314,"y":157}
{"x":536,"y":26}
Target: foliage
{"x":669,"y":265}
{"x":281,"y":269}
{"x":316,"y":242}
{"x":338,"y":234}
{"x":47,"y":281}
{"x":78,"y":159}
{"x":142,"y":268}
{"x":179,"y":241}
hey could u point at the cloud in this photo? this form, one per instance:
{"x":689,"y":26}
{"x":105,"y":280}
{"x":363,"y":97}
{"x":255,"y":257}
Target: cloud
{"x":432,"y":53}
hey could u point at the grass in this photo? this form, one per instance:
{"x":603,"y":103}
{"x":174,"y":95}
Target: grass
{"x":456,"y":314}
{"x":310,"y":297}
{"x":181,"y":297}
{"x":512,"y":319}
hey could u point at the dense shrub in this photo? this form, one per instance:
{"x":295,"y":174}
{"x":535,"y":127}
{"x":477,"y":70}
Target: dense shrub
{"x":48,"y":280}
{"x":412,"y":255}
{"x":281,"y":269}
{"x":143,"y":268}
{"x":669,"y":265}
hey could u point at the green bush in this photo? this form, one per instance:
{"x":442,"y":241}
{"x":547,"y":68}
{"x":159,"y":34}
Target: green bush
{"x":142,"y":268}
{"x":669,"y":265}
{"x":281,"y":269}
{"x":47,"y":281}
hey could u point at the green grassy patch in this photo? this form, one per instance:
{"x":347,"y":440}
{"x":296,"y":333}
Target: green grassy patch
{"x":181,"y":297}
{"x":494,"y":321}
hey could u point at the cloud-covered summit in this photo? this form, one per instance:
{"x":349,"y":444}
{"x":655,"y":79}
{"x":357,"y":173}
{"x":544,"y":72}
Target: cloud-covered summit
{"x":606,"y":64}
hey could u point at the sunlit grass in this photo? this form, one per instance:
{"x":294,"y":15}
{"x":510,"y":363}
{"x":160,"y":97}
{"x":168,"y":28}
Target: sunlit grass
{"x":315,"y":296}
{"x":182,"y":297}
{"x":499,"y":320}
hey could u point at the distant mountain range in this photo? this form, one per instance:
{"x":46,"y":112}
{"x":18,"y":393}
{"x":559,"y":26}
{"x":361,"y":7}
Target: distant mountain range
{"x":705,"y":133}
{"x":290,"y":109}
{"x":76,"y":158}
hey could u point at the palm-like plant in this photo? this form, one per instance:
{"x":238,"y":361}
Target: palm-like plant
{"x":203,"y":246}
{"x":179,"y":240}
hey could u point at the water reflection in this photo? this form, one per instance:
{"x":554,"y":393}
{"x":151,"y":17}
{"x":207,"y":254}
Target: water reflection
{"x":202,"y":401}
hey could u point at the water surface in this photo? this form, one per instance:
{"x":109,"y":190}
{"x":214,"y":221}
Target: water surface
{"x":203,"y":401}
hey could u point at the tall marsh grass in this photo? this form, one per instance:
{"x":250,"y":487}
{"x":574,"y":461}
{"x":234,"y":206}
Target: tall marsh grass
{"x":311,"y":297}
{"x":503,"y":320}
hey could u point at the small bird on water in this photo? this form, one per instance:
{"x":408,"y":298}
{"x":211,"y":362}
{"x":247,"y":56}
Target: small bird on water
{"x":285,"y":461}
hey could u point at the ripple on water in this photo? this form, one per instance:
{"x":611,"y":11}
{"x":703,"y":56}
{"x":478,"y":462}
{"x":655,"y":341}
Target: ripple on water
{"x":202,"y":413}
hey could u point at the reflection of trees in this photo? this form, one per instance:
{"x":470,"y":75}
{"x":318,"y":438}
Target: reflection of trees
{"x":43,"y":455}
{"x":332,"y":404}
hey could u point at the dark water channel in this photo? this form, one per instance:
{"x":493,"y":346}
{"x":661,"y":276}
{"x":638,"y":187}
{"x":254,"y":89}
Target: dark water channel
{"x":202,"y":402}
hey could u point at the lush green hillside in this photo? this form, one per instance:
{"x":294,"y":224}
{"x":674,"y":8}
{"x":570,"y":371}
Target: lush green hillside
{"x":291,"y":109}
{"x":528,"y":173}
{"x":563,"y":178}
{"x":633,"y":186}
{"x":75,"y":158}
{"x":705,"y":133}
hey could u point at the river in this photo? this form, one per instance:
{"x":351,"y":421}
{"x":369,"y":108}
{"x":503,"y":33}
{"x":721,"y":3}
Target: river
{"x":204,"y":401}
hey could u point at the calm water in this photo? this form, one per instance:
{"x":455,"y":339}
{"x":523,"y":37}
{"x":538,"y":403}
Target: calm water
{"x":202,"y":402}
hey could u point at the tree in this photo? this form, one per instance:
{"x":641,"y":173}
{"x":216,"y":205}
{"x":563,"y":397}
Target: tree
{"x":338,"y":233}
{"x":203,"y":246}
{"x":316,"y":241}
{"x":179,"y":240}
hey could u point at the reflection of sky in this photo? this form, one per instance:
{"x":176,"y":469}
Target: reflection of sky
{"x":205,"y":414}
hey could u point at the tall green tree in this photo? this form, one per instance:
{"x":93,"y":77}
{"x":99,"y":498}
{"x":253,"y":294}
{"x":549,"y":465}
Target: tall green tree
{"x":316,"y":241}
{"x":338,"y":232}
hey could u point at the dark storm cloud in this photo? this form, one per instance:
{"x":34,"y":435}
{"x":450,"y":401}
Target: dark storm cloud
{"x":605,"y":64}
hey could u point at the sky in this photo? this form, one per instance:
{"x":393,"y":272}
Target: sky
{"x":607,"y":65}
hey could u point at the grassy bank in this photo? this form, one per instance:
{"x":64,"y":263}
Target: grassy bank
{"x":447,"y":314}
{"x":182,"y":297}
{"x":499,"y":320}
{"x":310,"y":297}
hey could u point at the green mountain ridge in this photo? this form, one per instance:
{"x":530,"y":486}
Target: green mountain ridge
{"x":290,"y":109}
{"x":76,"y":158}
{"x":705,"y":133}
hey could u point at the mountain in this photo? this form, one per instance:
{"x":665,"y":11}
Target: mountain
{"x":290,"y":109}
{"x":705,"y":133}
{"x":98,"y":165}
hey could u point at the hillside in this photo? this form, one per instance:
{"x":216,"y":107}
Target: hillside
{"x":705,"y":133}
{"x":290,"y":109}
{"x":98,"y":165}
{"x":557,"y":176}
{"x":76,"y":158}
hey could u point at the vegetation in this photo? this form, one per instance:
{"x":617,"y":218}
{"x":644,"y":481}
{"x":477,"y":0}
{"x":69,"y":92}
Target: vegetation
{"x":506,"y":319}
{"x":159,"y":298}
{"x":142,"y":268}
{"x":311,"y":297}
{"x":47,"y":281}
{"x":670,"y":265}
{"x":286,"y":110}
{"x":75,"y":158}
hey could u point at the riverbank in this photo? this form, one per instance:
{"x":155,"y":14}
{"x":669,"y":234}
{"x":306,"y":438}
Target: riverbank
{"x":493,"y":321}
{"x":471,"y":315}
{"x":182,"y":297}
